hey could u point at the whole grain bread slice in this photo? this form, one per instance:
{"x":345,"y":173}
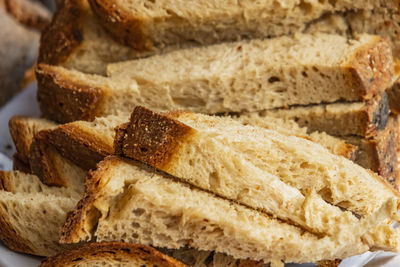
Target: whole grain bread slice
{"x":340,"y":119}
{"x":153,"y":208}
{"x":252,"y":76}
{"x":175,"y":142}
{"x":111,"y":254}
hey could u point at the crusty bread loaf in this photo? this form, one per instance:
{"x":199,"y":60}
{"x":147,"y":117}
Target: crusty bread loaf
{"x":340,"y":119}
{"x":22,"y":131}
{"x":251,"y":76}
{"x":178,"y":141}
{"x":111,"y":254}
{"x":148,"y":25}
{"x":151,"y":208}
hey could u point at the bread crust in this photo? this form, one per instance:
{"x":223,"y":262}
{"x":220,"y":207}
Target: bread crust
{"x":75,"y":144}
{"x":394,"y":97}
{"x":18,"y":132}
{"x":63,"y":100}
{"x":64,"y":34}
{"x":371,"y":68}
{"x":32,"y":15}
{"x":19,"y":165}
{"x":122,"y":25}
{"x":112,"y":251}
{"x":150,"y":137}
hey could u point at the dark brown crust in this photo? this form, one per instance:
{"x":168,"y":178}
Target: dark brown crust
{"x":42,"y":163}
{"x":371,"y":68}
{"x":32,"y":15}
{"x":150,"y":137}
{"x":64,"y":34}
{"x":78,"y":146}
{"x":124,"y":27}
{"x":379,"y":153}
{"x":19,"y":165}
{"x":112,"y":251}
{"x":334,"y":263}
{"x":63,"y":100}
{"x":394,"y":98}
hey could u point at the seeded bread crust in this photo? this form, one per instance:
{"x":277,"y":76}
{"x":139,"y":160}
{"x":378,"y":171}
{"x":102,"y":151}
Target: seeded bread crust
{"x":112,"y":252}
{"x":63,"y":100}
{"x":64,"y":34}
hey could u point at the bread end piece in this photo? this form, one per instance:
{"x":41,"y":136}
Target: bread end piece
{"x":372,"y":67}
{"x":150,"y":137}
{"x":63,"y":100}
{"x":112,"y":253}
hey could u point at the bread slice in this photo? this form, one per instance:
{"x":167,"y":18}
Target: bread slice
{"x":111,"y":254}
{"x":333,"y":68}
{"x":87,"y":143}
{"x":148,"y":25}
{"x":22,"y":131}
{"x":181,"y":143}
{"x":339,"y":119}
{"x":128,"y":202}
{"x":379,"y":153}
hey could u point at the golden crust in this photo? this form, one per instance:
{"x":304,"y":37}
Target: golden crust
{"x":113,"y":251}
{"x":21,"y":137}
{"x":63,"y":100}
{"x":371,"y":68}
{"x":124,"y":27}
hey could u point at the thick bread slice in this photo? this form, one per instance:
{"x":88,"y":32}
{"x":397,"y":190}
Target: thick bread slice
{"x":191,"y":146}
{"x":87,"y":143}
{"x":30,"y":223}
{"x":22,"y":130}
{"x":75,"y":40}
{"x":129,"y":202}
{"x":339,"y":119}
{"x":261,"y":74}
{"x":149,"y":25}
{"x":111,"y":254}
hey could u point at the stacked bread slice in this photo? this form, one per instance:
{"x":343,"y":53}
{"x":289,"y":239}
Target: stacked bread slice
{"x":244,"y":158}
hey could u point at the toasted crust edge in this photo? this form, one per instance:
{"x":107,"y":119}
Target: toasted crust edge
{"x":112,"y":250}
{"x":63,"y":100}
{"x":150,"y":137}
{"x":64,"y":33}
{"x":371,"y":67}
{"x":123,"y":26}
{"x":19,"y":133}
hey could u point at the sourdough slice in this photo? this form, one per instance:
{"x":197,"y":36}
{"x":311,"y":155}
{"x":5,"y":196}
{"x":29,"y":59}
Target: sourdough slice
{"x":75,"y":40}
{"x":22,"y":130}
{"x":30,"y":223}
{"x":87,"y":143}
{"x":111,"y":254}
{"x":182,"y":143}
{"x":262,"y":74}
{"x":129,"y":202}
{"x":148,"y":25}
{"x":339,"y":119}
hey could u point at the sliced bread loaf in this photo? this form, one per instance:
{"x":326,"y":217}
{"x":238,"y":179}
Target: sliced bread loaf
{"x":339,"y":119}
{"x":111,"y":254}
{"x":128,"y":202}
{"x":182,"y":143}
{"x":251,"y":76}
{"x":148,"y":25}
